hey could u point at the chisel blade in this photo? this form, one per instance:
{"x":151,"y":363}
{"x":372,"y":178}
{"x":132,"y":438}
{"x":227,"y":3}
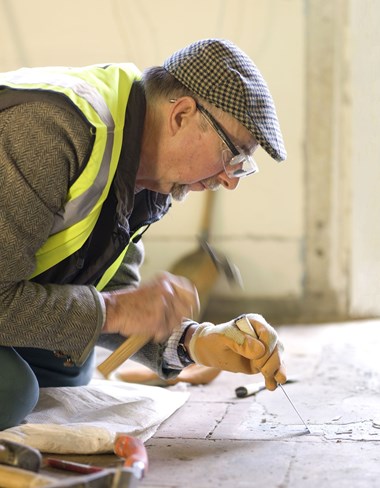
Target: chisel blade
{"x":294,"y":407}
{"x":245,"y":325}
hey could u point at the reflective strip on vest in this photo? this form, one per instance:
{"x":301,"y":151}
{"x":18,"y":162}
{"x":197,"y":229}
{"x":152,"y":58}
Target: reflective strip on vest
{"x":110,"y":272}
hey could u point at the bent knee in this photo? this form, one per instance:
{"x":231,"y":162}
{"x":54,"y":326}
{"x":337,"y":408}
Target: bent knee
{"x":19,"y":389}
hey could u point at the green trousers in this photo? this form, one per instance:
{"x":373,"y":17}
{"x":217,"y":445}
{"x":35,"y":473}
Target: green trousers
{"x":23,"y":371}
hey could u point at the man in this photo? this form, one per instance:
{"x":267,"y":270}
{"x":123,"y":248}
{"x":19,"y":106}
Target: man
{"x":90,"y":157}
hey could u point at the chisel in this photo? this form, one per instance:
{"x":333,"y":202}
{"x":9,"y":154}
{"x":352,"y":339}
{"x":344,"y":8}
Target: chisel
{"x":245,"y":326}
{"x":292,"y":404}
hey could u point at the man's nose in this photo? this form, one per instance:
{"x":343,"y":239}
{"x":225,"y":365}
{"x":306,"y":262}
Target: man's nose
{"x":226,"y":182}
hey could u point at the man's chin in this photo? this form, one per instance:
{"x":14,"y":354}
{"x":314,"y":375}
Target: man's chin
{"x":179,"y":192}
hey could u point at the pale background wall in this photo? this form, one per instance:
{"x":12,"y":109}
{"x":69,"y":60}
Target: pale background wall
{"x":365,"y":157}
{"x":305,"y":233}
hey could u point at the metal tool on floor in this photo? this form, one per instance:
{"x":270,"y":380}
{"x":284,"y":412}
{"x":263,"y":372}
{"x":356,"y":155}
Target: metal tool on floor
{"x":253,"y":388}
{"x":245,"y":326}
{"x":19,"y":456}
{"x":23,"y":462}
{"x":249,"y":389}
{"x":131,"y":449}
{"x":106,"y":478}
{"x":19,"y":466}
{"x":12,"y":477}
{"x":72,"y":466}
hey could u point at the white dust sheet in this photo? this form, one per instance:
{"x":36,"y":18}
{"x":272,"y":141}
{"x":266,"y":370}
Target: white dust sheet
{"x":85,"y":419}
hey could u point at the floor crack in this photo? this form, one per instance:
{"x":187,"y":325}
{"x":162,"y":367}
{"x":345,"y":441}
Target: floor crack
{"x":286,"y":479}
{"x":219,"y":421}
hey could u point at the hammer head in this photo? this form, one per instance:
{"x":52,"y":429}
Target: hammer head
{"x":223,"y":264}
{"x":19,"y":456}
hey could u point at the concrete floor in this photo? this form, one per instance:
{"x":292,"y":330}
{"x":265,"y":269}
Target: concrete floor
{"x":218,"y":440}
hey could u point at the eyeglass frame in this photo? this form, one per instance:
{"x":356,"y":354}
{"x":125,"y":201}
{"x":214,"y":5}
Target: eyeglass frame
{"x":236,"y":151}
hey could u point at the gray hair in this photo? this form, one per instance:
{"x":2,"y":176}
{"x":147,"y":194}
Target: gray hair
{"x":160,"y":84}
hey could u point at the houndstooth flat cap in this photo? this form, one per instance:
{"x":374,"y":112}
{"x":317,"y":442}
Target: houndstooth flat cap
{"x":222,"y":74}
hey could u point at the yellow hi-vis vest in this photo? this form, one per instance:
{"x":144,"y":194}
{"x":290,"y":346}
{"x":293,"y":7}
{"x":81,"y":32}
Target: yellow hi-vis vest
{"x":101,"y":93}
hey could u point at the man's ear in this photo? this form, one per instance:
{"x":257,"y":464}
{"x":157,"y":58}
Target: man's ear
{"x":183,"y":110}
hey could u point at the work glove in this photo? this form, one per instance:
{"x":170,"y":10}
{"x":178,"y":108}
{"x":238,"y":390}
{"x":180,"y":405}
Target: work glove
{"x":227,"y":347}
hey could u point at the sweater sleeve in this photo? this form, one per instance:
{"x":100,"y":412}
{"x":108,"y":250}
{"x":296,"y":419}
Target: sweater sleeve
{"x":42,"y":148}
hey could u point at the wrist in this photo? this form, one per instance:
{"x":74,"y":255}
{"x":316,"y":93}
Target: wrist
{"x":183,"y":345}
{"x":110,"y":304}
{"x":188,"y":335}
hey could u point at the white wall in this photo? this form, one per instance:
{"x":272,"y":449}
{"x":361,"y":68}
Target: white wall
{"x":365,"y":264}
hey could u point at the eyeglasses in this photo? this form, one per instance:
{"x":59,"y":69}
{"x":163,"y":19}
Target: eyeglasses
{"x":236,"y":163}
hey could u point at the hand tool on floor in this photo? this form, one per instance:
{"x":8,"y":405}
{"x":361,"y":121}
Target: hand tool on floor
{"x":108,"y":478}
{"x":72,"y":466}
{"x":19,"y":456}
{"x":128,"y":475}
{"x":249,"y":389}
{"x":19,"y":465}
{"x":12,"y":477}
{"x":131,"y":449}
{"x":245,"y":326}
{"x":103,"y":478}
{"x":253,"y":388}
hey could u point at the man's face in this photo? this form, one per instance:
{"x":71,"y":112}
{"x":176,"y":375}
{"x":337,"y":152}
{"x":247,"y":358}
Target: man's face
{"x":192,"y":157}
{"x":235,"y":160}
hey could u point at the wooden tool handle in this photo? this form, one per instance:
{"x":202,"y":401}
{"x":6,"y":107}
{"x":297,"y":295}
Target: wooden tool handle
{"x":11,"y":477}
{"x":122,"y":353}
{"x":245,"y":326}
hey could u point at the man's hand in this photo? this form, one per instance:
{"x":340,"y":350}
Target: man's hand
{"x":154,"y":309}
{"x":226,"y":347}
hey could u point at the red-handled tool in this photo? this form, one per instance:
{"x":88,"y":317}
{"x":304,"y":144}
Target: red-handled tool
{"x":133,"y":451}
{"x":72,"y":466}
{"x":135,"y":466}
